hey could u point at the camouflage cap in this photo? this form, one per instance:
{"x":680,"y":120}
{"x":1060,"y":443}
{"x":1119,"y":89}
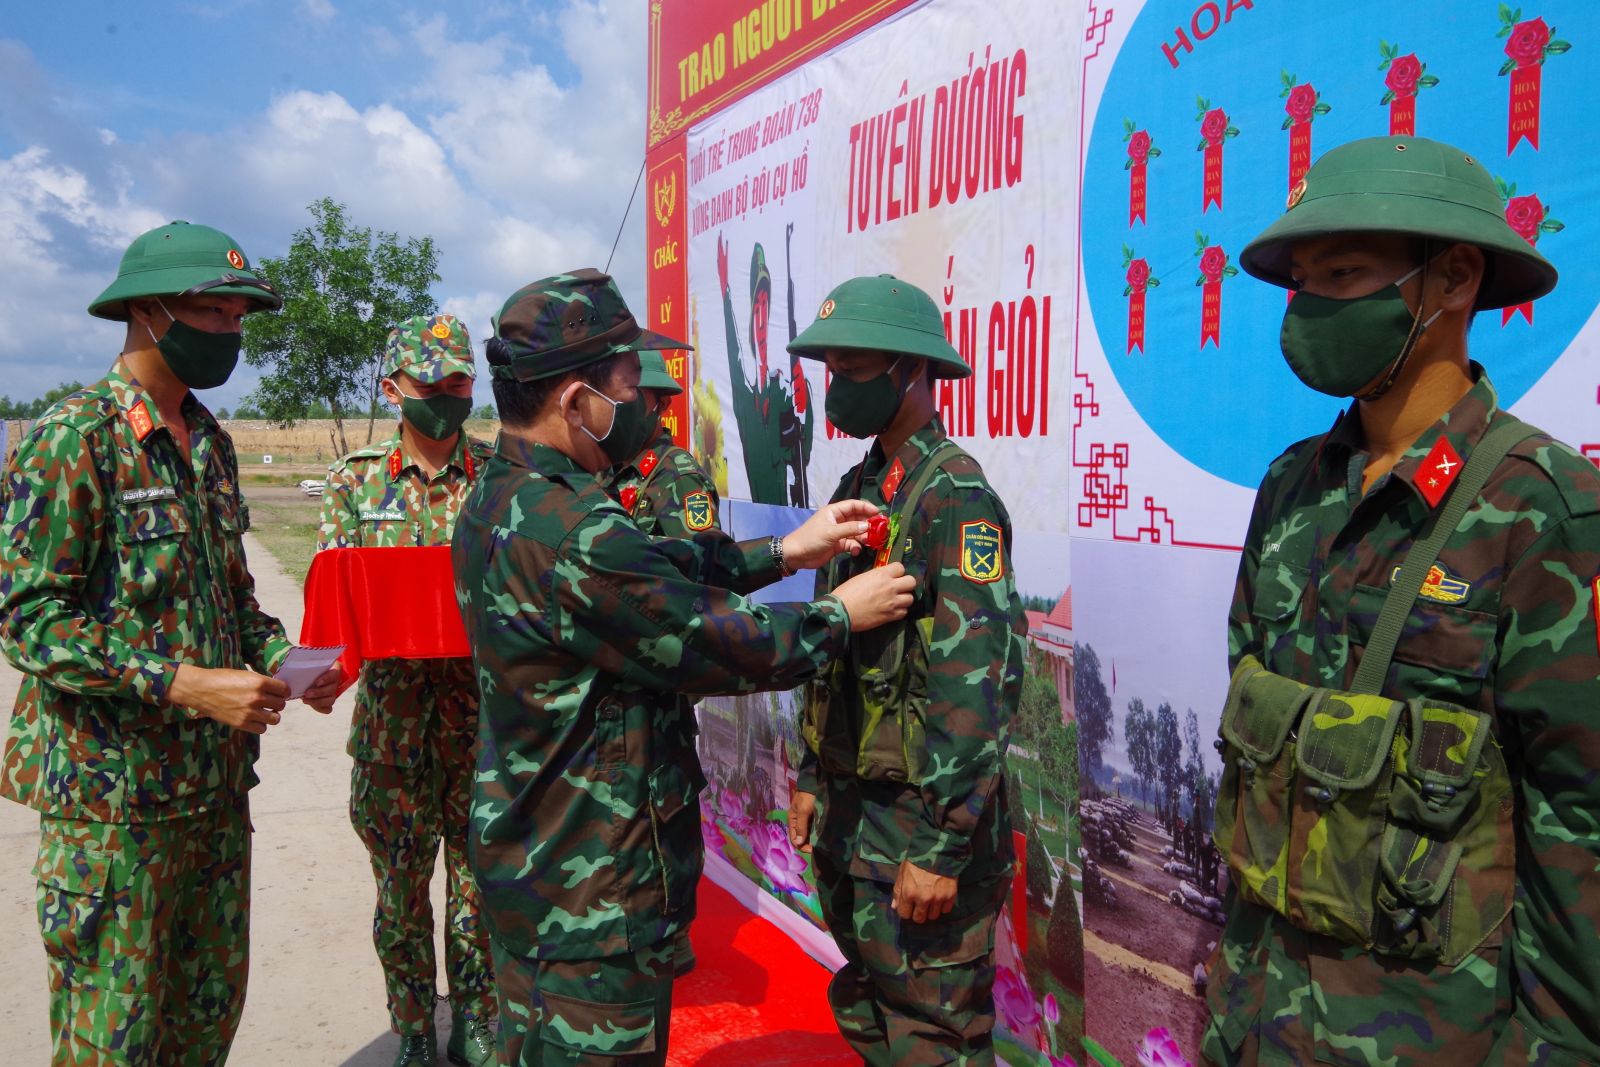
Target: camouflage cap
{"x":564,"y":322}
{"x":429,"y":348}
{"x":653,"y":374}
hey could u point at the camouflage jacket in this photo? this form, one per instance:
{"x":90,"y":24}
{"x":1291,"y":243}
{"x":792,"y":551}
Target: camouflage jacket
{"x":585,"y":837}
{"x":775,"y":437}
{"x":666,"y":492}
{"x":956,"y":822}
{"x":1507,"y":626}
{"x":379,"y":497}
{"x":121,"y":561}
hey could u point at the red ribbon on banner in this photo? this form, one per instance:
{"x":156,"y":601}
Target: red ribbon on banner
{"x":1523,"y":122}
{"x":1213,"y":177}
{"x":1299,"y":152}
{"x":1136,"y":320}
{"x":1211,"y":313}
{"x":1138,"y":189}
{"x":1403,"y":116}
{"x":1507,"y":314}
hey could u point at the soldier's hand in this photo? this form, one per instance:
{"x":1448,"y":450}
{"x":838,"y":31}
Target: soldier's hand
{"x":243,"y":700}
{"x":922,"y":896}
{"x":802,"y":806}
{"x":321,"y":694}
{"x":839,"y":527}
{"x":878,"y":596}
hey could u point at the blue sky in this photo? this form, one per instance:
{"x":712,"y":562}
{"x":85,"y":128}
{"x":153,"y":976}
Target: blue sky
{"x":510,"y":131}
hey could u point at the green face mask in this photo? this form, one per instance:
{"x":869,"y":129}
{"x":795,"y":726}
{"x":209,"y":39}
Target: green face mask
{"x":438,"y":417}
{"x":863,"y":409}
{"x":1339,"y":346}
{"x":196,"y":358}
{"x":632,"y":423}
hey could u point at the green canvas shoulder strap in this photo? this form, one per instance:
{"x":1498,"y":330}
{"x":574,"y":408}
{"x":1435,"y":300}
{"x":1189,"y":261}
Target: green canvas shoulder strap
{"x":1506,"y":433}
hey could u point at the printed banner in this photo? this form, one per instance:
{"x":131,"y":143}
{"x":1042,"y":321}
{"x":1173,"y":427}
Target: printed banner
{"x":668,"y":278}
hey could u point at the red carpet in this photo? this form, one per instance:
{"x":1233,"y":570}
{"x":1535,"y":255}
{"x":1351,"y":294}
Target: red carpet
{"x":754,"y":997}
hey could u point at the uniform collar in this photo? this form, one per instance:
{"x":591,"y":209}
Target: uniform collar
{"x":650,"y":458}
{"x":906,"y":458}
{"x":135,"y":405}
{"x":521,"y":452}
{"x":402,"y":459}
{"x":1461,"y":428}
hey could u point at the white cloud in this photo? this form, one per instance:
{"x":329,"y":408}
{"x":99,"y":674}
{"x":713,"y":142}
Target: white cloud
{"x":516,"y":166}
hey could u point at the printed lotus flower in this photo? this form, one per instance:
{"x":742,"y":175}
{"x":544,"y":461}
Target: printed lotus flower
{"x":1052,"y":1009}
{"x":1160,"y":1049}
{"x":1404,"y":73}
{"x":733,"y":807}
{"x":1063,"y":1060}
{"x":776,"y":858}
{"x":714,"y":838}
{"x":1013,"y":1001}
{"x":1527,"y":42}
{"x":1139,"y":146}
{"x":1302,"y":101}
{"x":1214,"y":126}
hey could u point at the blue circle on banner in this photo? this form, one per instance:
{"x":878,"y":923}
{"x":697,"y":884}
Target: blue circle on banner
{"x":1231,"y":405}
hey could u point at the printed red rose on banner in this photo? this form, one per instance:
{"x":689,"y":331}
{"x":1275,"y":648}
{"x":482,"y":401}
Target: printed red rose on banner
{"x":1529,"y":216}
{"x":1214,"y":270}
{"x":1406,"y":76}
{"x":1140,"y":148}
{"x":1214,"y":126}
{"x":1302,"y":102}
{"x":1140,"y":152}
{"x":1528,"y":44}
{"x":1214,"y":129}
{"x":1137,"y":273}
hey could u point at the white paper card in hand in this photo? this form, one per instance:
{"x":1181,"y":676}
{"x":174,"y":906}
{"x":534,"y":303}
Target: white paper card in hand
{"x":304,"y":665}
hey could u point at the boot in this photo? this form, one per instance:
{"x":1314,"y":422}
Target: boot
{"x":417,"y":1050}
{"x":471,"y":1042}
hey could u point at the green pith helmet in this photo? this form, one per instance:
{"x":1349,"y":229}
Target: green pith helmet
{"x":183,"y":259}
{"x":653,"y":374}
{"x":429,"y":348}
{"x":1411,"y":186}
{"x":564,"y":322}
{"x":885,"y":314}
{"x":760,"y":276}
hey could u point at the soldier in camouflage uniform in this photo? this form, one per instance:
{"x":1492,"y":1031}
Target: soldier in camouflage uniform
{"x":416,"y":720}
{"x":774,"y":420}
{"x":906,"y":734}
{"x":666,"y":492}
{"x":1489,"y":955}
{"x":586,"y":838}
{"x":127,"y":603}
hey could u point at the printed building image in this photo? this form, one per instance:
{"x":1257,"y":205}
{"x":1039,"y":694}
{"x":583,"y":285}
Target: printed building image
{"x":1051,"y":634}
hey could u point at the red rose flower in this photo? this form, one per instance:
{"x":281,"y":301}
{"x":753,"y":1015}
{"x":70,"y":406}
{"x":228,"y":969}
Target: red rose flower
{"x":1138,"y":275}
{"x":1139,"y":146}
{"x":1527,"y":42}
{"x":1525,"y":213}
{"x":1403,"y":75}
{"x":1212,"y":260}
{"x":1215,"y":126}
{"x":1302,"y":99}
{"x":877,"y":532}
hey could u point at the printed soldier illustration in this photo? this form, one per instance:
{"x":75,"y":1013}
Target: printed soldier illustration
{"x":903,"y":780}
{"x":1413,"y":726}
{"x":416,"y":721}
{"x":774,"y":420}
{"x":586,"y":840}
{"x":127,"y":603}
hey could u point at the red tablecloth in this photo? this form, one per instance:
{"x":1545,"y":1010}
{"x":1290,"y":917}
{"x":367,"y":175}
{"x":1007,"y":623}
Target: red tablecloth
{"x":383,"y":603}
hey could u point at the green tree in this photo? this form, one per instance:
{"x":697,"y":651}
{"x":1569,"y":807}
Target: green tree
{"x":485,"y":412}
{"x":1168,"y":759}
{"x":32,"y":409}
{"x":344,"y":286}
{"x":1138,"y":730}
{"x":1096,"y":724}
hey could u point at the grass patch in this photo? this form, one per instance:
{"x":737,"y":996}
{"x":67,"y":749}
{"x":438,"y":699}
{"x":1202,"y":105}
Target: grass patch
{"x":284,"y":479}
{"x":1045,"y":806}
{"x":288,"y":529}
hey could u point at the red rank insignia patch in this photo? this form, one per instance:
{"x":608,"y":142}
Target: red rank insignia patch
{"x":139,"y":418}
{"x":1438,"y":472}
{"x":891,"y":481}
{"x":394,"y":464}
{"x":648,"y":463}
{"x":630,"y":497}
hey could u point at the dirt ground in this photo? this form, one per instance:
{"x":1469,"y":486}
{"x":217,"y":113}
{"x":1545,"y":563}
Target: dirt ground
{"x":1140,"y":958}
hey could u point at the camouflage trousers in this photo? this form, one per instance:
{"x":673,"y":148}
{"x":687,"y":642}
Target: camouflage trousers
{"x":147,"y":930}
{"x":614,"y":1011}
{"x":911,"y":994}
{"x":401,"y":814}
